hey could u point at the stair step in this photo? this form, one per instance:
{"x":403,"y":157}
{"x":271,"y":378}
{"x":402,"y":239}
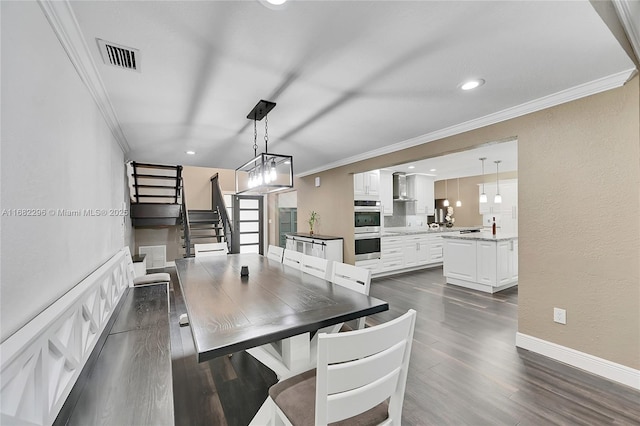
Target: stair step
{"x":155,"y":196}
{"x":204,"y":224}
{"x":203,"y":236}
{"x":156,"y":186}
{"x":146,"y":176}
{"x":156,"y":166}
{"x":200,"y":237}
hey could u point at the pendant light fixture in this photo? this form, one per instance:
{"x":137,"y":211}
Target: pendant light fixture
{"x":498,"y":197}
{"x":483,"y":195}
{"x":265,"y":172}
{"x":458,"y":202}
{"x":446,"y":195}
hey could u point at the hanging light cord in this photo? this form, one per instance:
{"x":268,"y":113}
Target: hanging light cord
{"x":266,"y":133}
{"x":255,"y":139}
{"x":483,"y":174}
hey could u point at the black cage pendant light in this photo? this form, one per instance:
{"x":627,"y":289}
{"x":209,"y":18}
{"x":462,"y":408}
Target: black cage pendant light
{"x":265,"y":172}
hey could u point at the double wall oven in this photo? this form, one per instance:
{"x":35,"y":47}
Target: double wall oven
{"x":367,"y":222}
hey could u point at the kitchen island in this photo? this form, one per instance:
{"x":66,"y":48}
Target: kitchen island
{"x":481,"y":261}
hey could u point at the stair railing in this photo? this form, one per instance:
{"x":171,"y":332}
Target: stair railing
{"x":217,"y":203}
{"x":185,"y":221}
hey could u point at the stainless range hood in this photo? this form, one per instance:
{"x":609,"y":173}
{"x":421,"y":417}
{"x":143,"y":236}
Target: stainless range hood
{"x":400,"y":187}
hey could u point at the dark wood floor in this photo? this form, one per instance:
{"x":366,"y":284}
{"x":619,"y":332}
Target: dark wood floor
{"x":464,"y":370}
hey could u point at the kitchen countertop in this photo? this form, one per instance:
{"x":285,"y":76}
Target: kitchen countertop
{"x":483,"y":236}
{"x":442,"y":230}
{"x":314,"y":236}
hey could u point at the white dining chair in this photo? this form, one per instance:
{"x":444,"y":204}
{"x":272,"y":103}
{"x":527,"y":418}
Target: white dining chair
{"x":354,"y":278}
{"x":361,"y":375}
{"x":316,"y":266}
{"x":210,"y":249}
{"x":292,"y":258}
{"x":275,"y":253}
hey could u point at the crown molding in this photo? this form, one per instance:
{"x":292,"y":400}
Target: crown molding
{"x":65,"y":26}
{"x":632,"y":29}
{"x":587,"y":89}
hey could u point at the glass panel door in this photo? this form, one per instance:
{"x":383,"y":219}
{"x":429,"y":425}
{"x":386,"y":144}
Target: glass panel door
{"x":247,"y":224}
{"x":287,"y":224}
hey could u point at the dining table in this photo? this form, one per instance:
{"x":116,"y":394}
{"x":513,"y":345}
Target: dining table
{"x":273,"y":312}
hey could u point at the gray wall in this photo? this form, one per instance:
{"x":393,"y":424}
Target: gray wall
{"x":57,"y":153}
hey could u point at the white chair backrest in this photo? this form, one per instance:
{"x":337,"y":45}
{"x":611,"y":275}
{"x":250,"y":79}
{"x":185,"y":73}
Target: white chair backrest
{"x":316,"y":266}
{"x":353,"y":277}
{"x":292,"y":258}
{"x":210,"y":249}
{"x":275,"y":253}
{"x":360,"y":369}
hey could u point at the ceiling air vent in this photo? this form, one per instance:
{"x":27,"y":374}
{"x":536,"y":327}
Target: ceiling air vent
{"x":119,"y":56}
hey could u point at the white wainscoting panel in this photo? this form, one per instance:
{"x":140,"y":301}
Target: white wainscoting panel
{"x":41,"y":362}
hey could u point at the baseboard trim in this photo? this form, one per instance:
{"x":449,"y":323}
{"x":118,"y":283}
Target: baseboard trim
{"x":593,"y":364}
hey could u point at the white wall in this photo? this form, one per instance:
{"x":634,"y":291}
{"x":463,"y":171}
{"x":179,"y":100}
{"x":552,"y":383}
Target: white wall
{"x":57,"y":153}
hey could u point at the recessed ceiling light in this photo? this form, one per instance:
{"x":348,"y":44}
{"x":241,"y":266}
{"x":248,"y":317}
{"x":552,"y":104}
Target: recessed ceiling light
{"x":190,"y":152}
{"x":274,"y":4}
{"x":432,"y":170}
{"x":412,"y":167}
{"x":472,"y":84}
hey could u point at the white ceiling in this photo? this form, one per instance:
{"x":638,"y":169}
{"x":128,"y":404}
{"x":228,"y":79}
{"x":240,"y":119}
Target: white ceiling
{"x":351,"y":78}
{"x":466,"y":163}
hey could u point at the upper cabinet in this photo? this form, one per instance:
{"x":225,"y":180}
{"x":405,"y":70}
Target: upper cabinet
{"x":386,"y":192}
{"x":367,"y":184}
{"x":507,"y":210}
{"x":509,"y":192}
{"x":420,"y":188}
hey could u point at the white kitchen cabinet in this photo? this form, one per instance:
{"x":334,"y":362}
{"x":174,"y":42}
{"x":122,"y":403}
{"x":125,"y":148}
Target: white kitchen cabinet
{"x":386,"y":192}
{"x":435,"y":249}
{"x":483,"y":262}
{"x":486,"y":262}
{"x":514,"y":260}
{"x":325,"y":247}
{"x":367,"y":184}
{"x":509,"y":193}
{"x":372,"y":264}
{"x":409,"y":252}
{"x":460,"y":260}
{"x":416,"y":251}
{"x":391,"y":253}
{"x":421,"y":189}
{"x":507,"y":253}
{"x":507,"y":211}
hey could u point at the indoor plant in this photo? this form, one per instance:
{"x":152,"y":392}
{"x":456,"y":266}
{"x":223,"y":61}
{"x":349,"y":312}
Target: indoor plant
{"x":313,"y":218}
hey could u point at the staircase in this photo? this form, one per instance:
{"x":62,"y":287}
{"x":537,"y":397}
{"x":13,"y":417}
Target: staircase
{"x":205,"y":226}
{"x":156,"y":194}
{"x":158,"y":200}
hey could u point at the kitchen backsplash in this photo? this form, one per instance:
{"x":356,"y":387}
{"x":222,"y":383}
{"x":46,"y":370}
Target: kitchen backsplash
{"x":399,"y":218}
{"x":403,"y":217}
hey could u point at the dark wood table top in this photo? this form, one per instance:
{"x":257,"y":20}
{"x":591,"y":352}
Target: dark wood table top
{"x":229,"y":313}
